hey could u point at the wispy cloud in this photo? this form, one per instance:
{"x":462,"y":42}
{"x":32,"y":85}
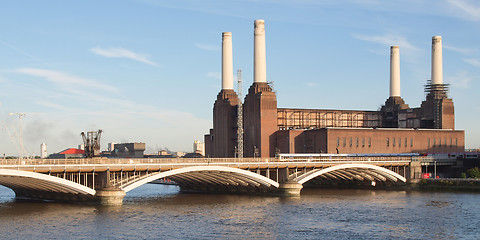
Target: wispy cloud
{"x":473,"y":61}
{"x":461,"y":80}
{"x":65,"y":79}
{"x":25,"y":53}
{"x":311,"y":84}
{"x":122,"y":53}
{"x":50,"y":105}
{"x":207,"y":47}
{"x":216,"y":75}
{"x":387,"y":40}
{"x":458,"y":49}
{"x":467,"y":8}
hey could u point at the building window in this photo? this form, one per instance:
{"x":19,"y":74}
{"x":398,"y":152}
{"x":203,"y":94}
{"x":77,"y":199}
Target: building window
{"x":406,"y":142}
{"x":439,"y":142}
{"x":369,"y":142}
{"x":363,"y":142}
{"x":357,"y":142}
{"x":338,"y":141}
{"x":411,"y":142}
{"x":399,"y":142}
{"x":451,"y":143}
{"x":393,"y":142}
{"x":429,"y":142}
{"x":388,"y":142}
{"x":350,"y":142}
{"x":445,"y":142}
{"x":434,"y":142}
{"x":344,"y":142}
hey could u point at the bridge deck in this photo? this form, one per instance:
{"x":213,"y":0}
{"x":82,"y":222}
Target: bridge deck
{"x":164,"y":164}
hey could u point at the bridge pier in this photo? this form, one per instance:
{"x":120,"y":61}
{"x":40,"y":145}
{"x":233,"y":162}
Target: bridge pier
{"x":287,"y":187}
{"x":290,"y":189}
{"x":415,"y":171}
{"x":110,"y":196}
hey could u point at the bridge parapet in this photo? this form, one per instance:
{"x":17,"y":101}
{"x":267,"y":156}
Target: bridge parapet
{"x":78,"y":161}
{"x":126,"y":161}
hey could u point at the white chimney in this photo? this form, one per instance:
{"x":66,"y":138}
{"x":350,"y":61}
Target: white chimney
{"x":437,"y":62}
{"x":227,"y":61}
{"x":394,"y":71}
{"x":43,"y":150}
{"x":259,"y":58}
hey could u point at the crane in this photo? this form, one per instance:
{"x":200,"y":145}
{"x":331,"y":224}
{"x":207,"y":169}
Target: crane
{"x":91,"y":141}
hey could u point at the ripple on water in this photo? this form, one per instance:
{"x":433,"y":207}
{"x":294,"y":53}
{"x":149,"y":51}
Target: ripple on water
{"x":157,"y":211}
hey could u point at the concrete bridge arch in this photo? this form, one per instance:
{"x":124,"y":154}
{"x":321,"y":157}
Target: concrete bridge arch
{"x":209,"y":175}
{"x":20,"y":181}
{"x":353,"y":171}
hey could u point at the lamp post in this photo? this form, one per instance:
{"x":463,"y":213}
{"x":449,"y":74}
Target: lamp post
{"x":20,"y":134}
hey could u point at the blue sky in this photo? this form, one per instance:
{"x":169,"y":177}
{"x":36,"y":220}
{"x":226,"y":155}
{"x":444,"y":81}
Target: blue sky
{"x":149,"y":70}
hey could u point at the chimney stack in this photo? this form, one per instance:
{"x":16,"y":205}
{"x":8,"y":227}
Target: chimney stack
{"x":259,"y":60}
{"x":227,"y":61}
{"x":394,"y":71}
{"x":437,"y":62}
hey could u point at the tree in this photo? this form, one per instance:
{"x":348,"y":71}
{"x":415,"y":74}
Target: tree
{"x":473,"y":172}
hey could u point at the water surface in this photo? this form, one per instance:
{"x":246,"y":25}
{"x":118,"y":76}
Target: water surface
{"x":158,"y":211}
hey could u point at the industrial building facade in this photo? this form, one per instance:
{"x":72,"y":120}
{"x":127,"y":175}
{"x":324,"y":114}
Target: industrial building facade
{"x":269,"y":130}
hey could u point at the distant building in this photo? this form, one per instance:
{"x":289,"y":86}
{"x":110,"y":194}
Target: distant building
{"x":160,"y":154}
{"x":199,"y":147}
{"x":178,"y":154}
{"x":106,"y":154}
{"x":193,"y":155}
{"x":163,"y":153}
{"x":111,"y":147}
{"x":68,"y":153}
{"x":128,"y":150}
{"x":43,"y":150}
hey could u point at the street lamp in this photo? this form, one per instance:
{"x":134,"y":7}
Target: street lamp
{"x":20,"y":135}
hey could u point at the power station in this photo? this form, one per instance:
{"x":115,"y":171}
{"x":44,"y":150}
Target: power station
{"x":269,"y":130}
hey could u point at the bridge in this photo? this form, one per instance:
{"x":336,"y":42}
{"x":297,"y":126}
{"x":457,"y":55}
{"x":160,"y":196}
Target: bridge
{"x":107,"y":180}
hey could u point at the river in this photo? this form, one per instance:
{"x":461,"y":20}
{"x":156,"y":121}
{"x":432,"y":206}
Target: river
{"x":160,"y":212}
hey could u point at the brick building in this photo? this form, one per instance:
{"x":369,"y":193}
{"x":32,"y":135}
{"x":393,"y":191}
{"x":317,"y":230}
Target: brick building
{"x":269,"y":130}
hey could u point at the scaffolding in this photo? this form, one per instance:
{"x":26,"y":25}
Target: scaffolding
{"x":308,"y":119}
{"x":436,"y":93}
{"x":239,"y":115}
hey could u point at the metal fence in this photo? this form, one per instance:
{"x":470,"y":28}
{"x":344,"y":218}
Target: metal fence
{"x":201,"y":161}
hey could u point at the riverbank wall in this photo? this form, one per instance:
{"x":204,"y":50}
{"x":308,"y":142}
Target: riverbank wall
{"x":462,"y":184}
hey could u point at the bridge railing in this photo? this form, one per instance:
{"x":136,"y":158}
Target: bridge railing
{"x":78,"y":161}
{"x":347,"y":158}
{"x":104,"y":161}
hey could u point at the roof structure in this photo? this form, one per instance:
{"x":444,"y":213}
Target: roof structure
{"x":72,"y":151}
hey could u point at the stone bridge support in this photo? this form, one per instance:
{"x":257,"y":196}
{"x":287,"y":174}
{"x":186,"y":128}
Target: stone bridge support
{"x":415,"y":171}
{"x":107,"y":194}
{"x":287,"y":187}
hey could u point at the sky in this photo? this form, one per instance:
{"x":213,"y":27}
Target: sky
{"x":149,"y":70}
